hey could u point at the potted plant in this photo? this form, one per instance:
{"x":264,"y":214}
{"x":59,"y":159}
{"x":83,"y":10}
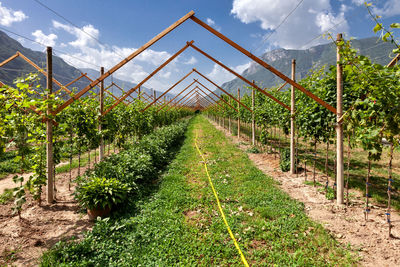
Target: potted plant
{"x":99,"y":195}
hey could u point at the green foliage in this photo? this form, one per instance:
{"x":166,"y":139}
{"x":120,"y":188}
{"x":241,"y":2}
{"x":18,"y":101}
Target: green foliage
{"x":160,"y":230}
{"x":96,"y":192}
{"x":284,"y":162}
{"x":6,"y":196}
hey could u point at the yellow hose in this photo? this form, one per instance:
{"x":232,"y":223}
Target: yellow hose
{"x":220,"y":208}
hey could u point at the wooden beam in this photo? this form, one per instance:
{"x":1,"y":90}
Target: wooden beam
{"x":178,"y":82}
{"x":30,"y":62}
{"x":239,"y":76}
{"x":9,"y":59}
{"x":263,"y":63}
{"x":216,"y":95}
{"x":280,"y":88}
{"x":176,"y":103}
{"x":149,"y":76}
{"x":228,"y":94}
{"x":166,"y":104}
{"x":391,"y":63}
{"x":126,"y":60}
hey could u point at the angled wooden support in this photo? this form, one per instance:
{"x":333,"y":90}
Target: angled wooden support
{"x":195,"y":100}
{"x":228,"y":94}
{"x":263,"y":63}
{"x":280,"y":88}
{"x":166,"y":104}
{"x":209,"y":100}
{"x":116,"y":98}
{"x":187,"y":96}
{"x":239,"y":76}
{"x":9,"y":59}
{"x":163,"y":94}
{"x":149,"y":76}
{"x":126,"y":60}
{"x":391,"y":63}
{"x":213,"y":100}
{"x":30,"y":62}
{"x":122,"y":90}
{"x":188,"y":99}
{"x":43,"y":72}
{"x":223,"y":100}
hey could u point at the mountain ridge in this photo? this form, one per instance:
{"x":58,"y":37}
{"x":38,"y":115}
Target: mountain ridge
{"x":316,"y":56}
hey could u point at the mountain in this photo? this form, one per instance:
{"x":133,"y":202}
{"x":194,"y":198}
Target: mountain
{"x":18,"y":67}
{"x":125,"y":85}
{"x":315,"y":56}
{"x":62,"y":71}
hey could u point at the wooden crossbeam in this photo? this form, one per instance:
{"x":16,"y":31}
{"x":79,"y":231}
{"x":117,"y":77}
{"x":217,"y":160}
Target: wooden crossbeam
{"x":149,"y":76}
{"x":166,"y":104}
{"x":263,"y":63}
{"x":217,"y":95}
{"x":126,"y":60}
{"x":178,"y":82}
{"x":239,"y":76}
{"x":176,"y":103}
{"x":228,"y":94}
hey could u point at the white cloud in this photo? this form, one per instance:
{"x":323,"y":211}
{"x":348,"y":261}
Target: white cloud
{"x":85,"y":36}
{"x":389,"y":9}
{"x":310,"y":19}
{"x":219,"y":75}
{"x":191,"y":61}
{"x":212,"y":23}
{"x":358,"y":2}
{"x":48,"y":40}
{"x":9,"y":16}
{"x":240,"y":68}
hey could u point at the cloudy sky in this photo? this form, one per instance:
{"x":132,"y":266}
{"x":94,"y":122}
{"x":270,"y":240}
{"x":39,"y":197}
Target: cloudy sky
{"x":90,"y":34}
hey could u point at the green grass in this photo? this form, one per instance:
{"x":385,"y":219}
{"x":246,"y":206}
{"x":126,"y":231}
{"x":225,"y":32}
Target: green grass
{"x":179,"y":223}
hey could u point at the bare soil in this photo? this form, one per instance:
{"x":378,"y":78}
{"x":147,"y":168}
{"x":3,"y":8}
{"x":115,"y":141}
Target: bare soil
{"x":22,"y":241}
{"x":346,"y":224}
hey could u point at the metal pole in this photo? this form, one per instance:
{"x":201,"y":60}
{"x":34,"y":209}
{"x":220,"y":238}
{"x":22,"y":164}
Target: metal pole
{"x":292,"y":126}
{"x":101,"y":154}
{"x":49,"y":129}
{"x":339,"y":128}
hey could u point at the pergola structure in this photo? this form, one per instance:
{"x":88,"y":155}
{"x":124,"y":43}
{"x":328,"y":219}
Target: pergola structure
{"x":203,"y":100}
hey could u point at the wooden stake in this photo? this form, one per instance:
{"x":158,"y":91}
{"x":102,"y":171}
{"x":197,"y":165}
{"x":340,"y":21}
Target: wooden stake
{"x":49,"y":129}
{"x":339,"y":129}
{"x":292,"y":122}
{"x":253,"y":121}
{"x":238,"y":120}
{"x":101,"y":154}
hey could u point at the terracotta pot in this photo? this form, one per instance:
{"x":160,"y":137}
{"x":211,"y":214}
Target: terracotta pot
{"x":98,"y":212}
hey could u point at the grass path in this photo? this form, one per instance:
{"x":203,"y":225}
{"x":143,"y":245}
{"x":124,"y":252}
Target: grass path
{"x":180,"y":224}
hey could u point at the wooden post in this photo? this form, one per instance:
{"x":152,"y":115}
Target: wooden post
{"x":238,"y":120}
{"x":101,"y":154}
{"x":49,"y":130}
{"x":292,"y":126}
{"x":339,"y":128}
{"x":253,"y":121}
{"x":139,"y":93}
{"x":154,"y":95}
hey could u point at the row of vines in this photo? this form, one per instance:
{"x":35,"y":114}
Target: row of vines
{"x":371,"y":101}
{"x":76,"y":130}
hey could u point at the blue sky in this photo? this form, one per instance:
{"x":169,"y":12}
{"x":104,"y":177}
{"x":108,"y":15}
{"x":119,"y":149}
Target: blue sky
{"x":123,"y":26}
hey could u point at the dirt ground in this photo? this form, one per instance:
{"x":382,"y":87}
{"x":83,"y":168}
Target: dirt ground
{"x":24,"y":241}
{"x":346,"y":224}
